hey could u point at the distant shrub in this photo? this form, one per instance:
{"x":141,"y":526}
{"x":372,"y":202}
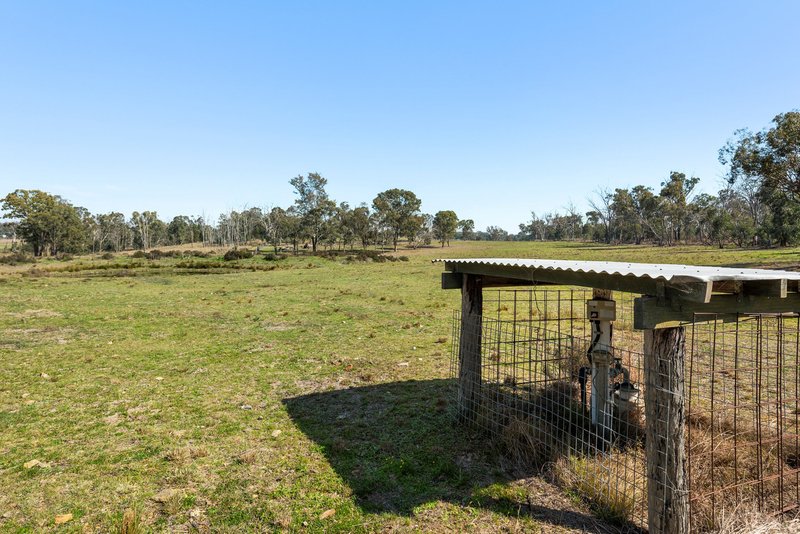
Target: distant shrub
{"x":402,"y":258}
{"x":237,"y":254}
{"x":366,"y":255}
{"x":64,"y":256}
{"x":157,"y":254}
{"x":16,"y":258}
{"x":107,"y":256}
{"x":271,"y":256}
{"x":139,"y":254}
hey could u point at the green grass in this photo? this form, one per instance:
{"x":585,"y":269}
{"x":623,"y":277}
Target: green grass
{"x":263,"y":398}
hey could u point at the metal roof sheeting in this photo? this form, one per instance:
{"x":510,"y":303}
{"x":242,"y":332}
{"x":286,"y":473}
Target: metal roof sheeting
{"x":656,"y":271}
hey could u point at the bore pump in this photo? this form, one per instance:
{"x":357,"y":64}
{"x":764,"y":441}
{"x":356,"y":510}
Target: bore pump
{"x":607,"y":392}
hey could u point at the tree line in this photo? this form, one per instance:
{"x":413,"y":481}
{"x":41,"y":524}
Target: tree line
{"x":50,"y":225}
{"x":758,"y":203}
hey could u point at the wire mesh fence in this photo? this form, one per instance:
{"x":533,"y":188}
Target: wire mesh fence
{"x":534,"y":397}
{"x":743,"y":411}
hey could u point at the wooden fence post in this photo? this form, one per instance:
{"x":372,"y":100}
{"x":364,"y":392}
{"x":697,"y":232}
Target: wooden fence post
{"x":667,"y":485}
{"x":469,"y":349}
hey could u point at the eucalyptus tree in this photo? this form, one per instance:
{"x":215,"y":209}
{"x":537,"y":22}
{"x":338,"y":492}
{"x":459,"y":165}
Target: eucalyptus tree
{"x":398,"y":211}
{"x":313,"y":206}
{"x":275,"y":226}
{"x":114,"y":234}
{"x":602,"y":212}
{"x":444,"y":225}
{"x":179,"y":230}
{"x":676,"y":193}
{"x":467,"y":229}
{"x":771,"y":159}
{"x":495,"y":233}
{"x":534,"y":229}
{"x":360,"y":224}
{"x":48,"y":223}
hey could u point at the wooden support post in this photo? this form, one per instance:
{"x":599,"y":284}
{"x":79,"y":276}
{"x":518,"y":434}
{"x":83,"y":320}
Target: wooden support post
{"x":602,"y":294}
{"x":667,"y":488}
{"x":469,"y":349}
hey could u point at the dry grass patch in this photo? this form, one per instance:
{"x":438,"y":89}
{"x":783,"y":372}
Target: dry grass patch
{"x":608,"y":482}
{"x":184,"y":455}
{"x":746,"y":519}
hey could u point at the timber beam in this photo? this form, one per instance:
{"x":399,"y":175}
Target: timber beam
{"x":649,"y":314}
{"x":454,"y":281}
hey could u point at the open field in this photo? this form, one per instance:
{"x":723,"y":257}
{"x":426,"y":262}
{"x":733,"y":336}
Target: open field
{"x":299,"y":394}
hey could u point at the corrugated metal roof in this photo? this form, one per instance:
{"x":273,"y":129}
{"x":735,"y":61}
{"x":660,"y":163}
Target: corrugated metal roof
{"x":656,"y":271}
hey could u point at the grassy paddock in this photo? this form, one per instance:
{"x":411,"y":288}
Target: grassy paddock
{"x":301,"y":393}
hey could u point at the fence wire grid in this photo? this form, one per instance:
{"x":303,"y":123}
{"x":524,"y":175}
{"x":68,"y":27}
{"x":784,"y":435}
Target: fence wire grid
{"x":534,"y":398}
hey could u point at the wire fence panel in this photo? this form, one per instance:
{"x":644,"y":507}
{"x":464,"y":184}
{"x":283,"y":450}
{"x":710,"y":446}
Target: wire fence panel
{"x":533,"y":396}
{"x":743,"y":416}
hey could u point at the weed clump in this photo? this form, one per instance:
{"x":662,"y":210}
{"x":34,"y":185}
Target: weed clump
{"x":157,"y":254}
{"x":131,"y":523}
{"x":589,"y":478}
{"x":238,"y":254}
{"x":16,"y":258}
{"x":272,"y":256}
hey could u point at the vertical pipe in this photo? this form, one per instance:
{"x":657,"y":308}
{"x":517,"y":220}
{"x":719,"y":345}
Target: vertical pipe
{"x":602,"y":409}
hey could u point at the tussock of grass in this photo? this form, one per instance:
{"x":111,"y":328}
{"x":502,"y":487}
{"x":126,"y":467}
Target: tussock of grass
{"x":186,"y":454}
{"x":746,"y":519}
{"x":607,"y":482}
{"x":131,"y":523}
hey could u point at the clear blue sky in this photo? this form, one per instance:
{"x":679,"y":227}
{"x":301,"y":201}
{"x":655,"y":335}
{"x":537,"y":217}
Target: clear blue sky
{"x":491,"y":109}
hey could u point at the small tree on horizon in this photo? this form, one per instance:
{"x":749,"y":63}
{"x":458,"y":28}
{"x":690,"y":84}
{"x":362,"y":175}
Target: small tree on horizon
{"x":313,"y":206}
{"x":445,"y":224}
{"x":398,"y":210}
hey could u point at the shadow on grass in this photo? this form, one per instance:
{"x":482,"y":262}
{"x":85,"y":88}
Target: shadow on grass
{"x":397,"y":447}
